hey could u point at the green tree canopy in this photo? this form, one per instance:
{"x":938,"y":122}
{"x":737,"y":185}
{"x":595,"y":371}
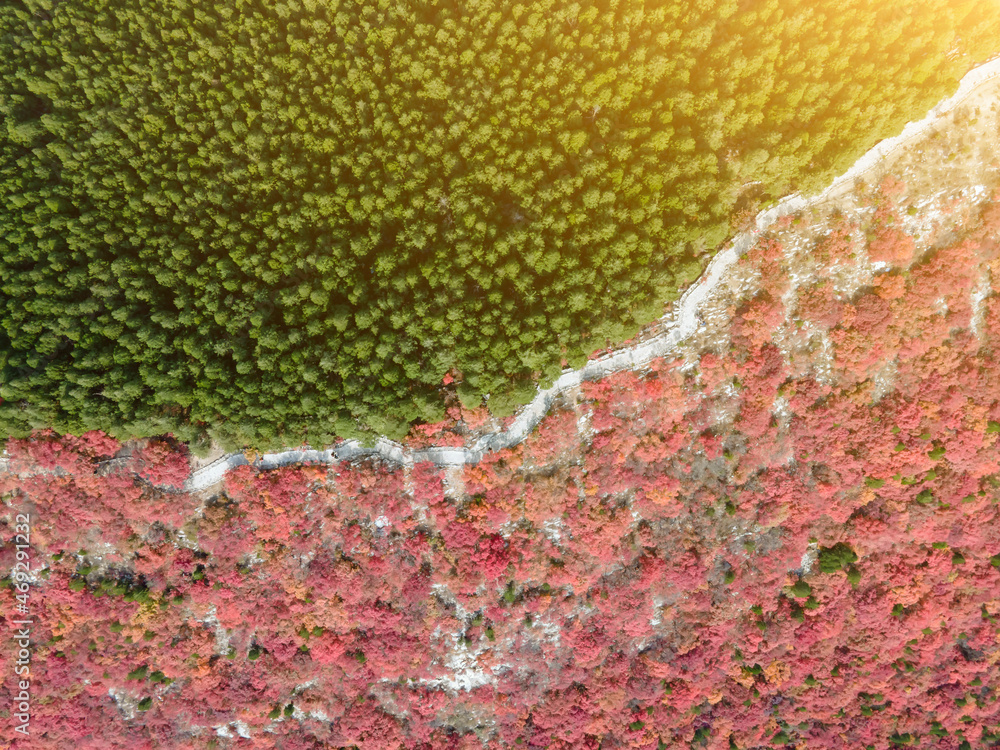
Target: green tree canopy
{"x":288,"y":219}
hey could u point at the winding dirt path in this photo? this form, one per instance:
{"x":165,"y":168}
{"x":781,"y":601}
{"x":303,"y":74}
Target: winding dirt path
{"x":684,"y":324}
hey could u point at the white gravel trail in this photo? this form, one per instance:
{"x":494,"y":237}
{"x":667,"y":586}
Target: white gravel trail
{"x":685,"y":322}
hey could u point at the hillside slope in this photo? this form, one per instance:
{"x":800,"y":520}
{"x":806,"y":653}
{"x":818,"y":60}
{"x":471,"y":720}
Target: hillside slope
{"x":785,"y":534}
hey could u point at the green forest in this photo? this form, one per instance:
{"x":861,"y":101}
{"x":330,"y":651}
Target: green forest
{"x":262,"y":222}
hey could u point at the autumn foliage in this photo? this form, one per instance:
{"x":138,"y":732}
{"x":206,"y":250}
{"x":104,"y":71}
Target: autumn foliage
{"x":749,"y":552}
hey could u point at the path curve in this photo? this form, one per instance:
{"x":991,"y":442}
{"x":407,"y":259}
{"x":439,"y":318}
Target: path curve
{"x":634,"y":357}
